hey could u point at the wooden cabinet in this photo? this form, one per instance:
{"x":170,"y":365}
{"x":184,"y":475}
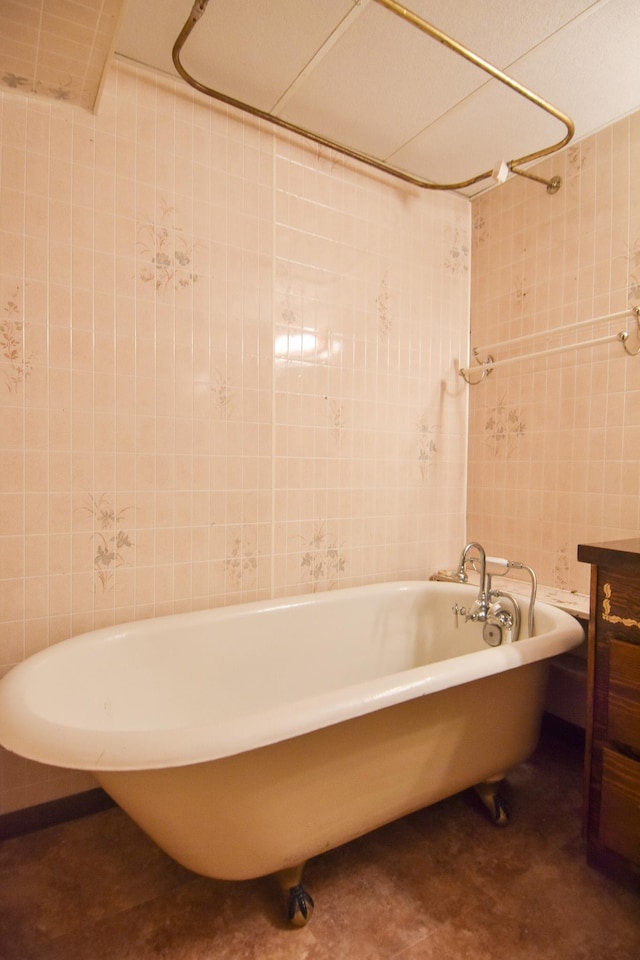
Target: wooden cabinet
{"x":612,"y":767}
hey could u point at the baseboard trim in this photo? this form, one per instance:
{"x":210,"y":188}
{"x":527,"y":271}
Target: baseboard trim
{"x":53,"y":812}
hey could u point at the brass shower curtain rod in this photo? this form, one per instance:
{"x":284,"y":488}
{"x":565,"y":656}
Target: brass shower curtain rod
{"x":513,"y":166}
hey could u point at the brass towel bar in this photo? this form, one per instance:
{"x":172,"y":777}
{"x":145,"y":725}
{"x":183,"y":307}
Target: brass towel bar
{"x":514,"y":166}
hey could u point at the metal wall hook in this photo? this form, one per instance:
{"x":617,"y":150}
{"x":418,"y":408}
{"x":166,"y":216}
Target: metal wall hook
{"x":485,"y":365}
{"x":624,"y":336}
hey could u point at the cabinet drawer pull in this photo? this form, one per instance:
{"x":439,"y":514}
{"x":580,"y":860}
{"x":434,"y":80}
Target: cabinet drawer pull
{"x":611,"y":617}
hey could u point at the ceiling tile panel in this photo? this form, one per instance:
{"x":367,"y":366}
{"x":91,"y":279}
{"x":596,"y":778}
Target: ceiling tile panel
{"x":594,"y":62}
{"x":501,"y":31}
{"x":250,"y":51}
{"x":494,"y":124}
{"x":382,"y":81}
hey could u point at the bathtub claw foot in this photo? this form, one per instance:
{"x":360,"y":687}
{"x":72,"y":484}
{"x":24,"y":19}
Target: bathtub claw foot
{"x":300,"y":906}
{"x":299,"y":900}
{"x":492,"y":799}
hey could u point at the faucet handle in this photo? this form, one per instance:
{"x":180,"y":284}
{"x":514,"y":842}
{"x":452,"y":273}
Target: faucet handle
{"x":500,"y":562}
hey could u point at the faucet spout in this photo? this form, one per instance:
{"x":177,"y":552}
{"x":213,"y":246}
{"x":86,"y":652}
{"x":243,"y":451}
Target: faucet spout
{"x":481,"y":606}
{"x":464,"y":558}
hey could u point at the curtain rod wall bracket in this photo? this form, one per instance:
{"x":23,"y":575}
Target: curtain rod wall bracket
{"x":553,"y":185}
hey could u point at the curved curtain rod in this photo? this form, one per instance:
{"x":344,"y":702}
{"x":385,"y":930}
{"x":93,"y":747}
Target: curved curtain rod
{"x":552,"y":185}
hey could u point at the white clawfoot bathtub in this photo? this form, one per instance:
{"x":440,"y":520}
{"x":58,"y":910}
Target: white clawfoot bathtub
{"x":246,"y":739}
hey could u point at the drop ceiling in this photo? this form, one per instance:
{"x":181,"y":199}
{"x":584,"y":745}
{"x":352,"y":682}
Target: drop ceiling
{"x":355,"y":73}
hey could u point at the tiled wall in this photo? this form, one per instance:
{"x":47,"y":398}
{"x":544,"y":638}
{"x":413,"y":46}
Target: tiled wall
{"x":58,"y":49}
{"x":227,"y":365}
{"x":554,"y":451}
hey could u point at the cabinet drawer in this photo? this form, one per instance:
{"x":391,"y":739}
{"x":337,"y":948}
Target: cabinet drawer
{"x":620,"y":805}
{"x":623,"y":724}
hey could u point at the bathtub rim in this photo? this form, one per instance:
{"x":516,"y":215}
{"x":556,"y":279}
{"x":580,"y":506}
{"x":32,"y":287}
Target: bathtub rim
{"x":38,"y":738}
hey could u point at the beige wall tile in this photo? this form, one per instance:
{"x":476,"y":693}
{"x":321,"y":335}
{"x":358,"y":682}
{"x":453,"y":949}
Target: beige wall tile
{"x":211,"y":402}
{"x":556,"y":425}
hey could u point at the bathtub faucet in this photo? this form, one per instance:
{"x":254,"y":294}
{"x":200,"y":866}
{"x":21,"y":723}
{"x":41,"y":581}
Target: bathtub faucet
{"x":479,"y":610}
{"x":488,"y":607}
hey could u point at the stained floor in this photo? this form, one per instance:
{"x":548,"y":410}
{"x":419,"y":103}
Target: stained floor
{"x":442,"y":883}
